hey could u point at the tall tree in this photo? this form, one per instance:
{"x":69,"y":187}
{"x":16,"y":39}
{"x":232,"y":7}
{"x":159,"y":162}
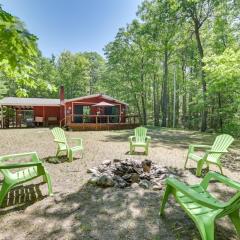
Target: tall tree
{"x":18,"y":52}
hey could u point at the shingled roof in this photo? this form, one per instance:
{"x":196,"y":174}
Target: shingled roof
{"x":15,"y":101}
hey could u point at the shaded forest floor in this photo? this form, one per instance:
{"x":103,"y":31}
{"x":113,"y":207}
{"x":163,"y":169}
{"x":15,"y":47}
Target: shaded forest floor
{"x":80,"y":211}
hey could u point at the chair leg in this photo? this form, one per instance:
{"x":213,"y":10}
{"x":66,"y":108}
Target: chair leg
{"x":185,"y":164}
{"x":131,"y":148}
{"x":47,"y":179}
{"x":70,"y":155}
{"x":146,"y":150}
{"x":4,"y":191}
{"x":234,"y":216}
{"x":165,"y":198}
{"x":58,"y":151}
{"x":206,"y":228}
{"x":220,"y":167}
{"x":199,"y":168}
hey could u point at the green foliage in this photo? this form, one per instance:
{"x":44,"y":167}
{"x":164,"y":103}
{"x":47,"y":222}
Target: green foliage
{"x":17,"y":53}
{"x":176,"y":64}
{"x":194,"y":42}
{"x":224,"y":80}
{"x":73,"y":72}
{"x":96,"y":70}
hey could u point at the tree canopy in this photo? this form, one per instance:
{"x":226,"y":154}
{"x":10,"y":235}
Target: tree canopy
{"x":176,"y":64}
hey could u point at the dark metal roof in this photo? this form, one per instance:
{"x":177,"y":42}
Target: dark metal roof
{"x":15,"y":101}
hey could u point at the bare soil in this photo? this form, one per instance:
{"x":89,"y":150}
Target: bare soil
{"x":82,"y":211}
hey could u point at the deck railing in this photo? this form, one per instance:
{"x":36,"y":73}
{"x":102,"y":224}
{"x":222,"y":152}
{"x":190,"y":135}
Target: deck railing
{"x":98,"y":119}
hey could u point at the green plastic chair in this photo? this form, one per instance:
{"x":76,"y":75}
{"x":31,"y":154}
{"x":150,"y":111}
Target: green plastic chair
{"x":201,"y":206}
{"x":60,"y":139}
{"x":31,"y":170}
{"x":140,"y":139}
{"x":211,"y":156}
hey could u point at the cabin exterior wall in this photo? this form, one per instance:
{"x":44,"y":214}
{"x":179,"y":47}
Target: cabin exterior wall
{"x":69,"y":106}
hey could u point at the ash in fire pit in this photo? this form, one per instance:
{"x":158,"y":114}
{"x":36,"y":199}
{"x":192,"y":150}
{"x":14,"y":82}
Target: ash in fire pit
{"x":129,"y":172}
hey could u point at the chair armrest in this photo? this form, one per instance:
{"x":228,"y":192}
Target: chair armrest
{"x":19,"y":165}
{"x":148,"y":138}
{"x":219,"y":177}
{"x":58,"y":141}
{"x":78,"y":140}
{"x":19,"y":155}
{"x":210,"y":151}
{"x":131,"y":138}
{"x":197,"y":197}
{"x":199,"y":146}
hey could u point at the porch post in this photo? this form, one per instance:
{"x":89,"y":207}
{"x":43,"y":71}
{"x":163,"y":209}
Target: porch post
{"x":1,"y":116}
{"x":44,"y":122}
{"x":16,"y":117}
{"x":120,"y":116}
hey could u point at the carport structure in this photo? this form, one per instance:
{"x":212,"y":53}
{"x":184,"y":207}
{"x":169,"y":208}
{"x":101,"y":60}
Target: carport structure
{"x":18,"y":112}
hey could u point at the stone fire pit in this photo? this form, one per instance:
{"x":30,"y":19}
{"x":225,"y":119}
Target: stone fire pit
{"x":125,"y":173}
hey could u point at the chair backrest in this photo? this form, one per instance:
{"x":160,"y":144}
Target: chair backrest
{"x":59,"y":134}
{"x":221,"y":144}
{"x":140,"y":134}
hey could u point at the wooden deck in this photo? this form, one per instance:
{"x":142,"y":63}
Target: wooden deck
{"x":101,"y":126}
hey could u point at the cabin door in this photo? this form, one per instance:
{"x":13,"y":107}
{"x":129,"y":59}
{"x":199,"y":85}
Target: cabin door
{"x":78,"y":110}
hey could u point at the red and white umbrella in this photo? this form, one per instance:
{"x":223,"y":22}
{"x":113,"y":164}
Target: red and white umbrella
{"x":103,"y":104}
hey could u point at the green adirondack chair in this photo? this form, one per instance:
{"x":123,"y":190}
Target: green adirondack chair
{"x":139,"y":140}
{"x":29,"y":171}
{"x":201,"y":206}
{"x":212,"y":155}
{"x":60,"y":139}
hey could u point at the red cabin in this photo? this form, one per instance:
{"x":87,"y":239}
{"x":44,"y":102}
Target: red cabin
{"x":93,"y":112}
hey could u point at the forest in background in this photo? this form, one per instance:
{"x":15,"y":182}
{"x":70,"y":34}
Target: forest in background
{"x":176,"y":65}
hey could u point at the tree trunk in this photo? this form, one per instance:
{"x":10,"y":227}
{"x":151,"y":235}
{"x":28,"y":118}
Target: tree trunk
{"x":156,"y":108}
{"x":204,"y":85}
{"x":135,"y":96}
{"x":219,"y":112}
{"x":174,"y":96}
{"x":143,"y":94}
{"x":184,"y":96}
{"x":165,"y":90}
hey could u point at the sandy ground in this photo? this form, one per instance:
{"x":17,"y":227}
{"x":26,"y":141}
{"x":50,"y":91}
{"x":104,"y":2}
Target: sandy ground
{"x":80,"y":211}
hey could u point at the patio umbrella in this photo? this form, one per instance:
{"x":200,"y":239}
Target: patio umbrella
{"x":103,"y":104}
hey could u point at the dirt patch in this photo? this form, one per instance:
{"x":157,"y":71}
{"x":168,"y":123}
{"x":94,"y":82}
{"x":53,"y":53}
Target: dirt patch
{"x":82,"y":211}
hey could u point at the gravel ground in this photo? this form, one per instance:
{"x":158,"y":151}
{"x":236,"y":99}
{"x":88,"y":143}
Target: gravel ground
{"x":80,"y":211}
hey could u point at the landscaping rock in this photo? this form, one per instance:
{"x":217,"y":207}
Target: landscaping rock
{"x":146,"y":165}
{"x":95,"y":172}
{"x":128,"y":172}
{"x":107,"y":162}
{"x":93,"y":180}
{"x":135,"y":178}
{"x":145,"y":184}
{"x":101,"y":168}
{"x":135,"y":185}
{"x":157,"y":187}
{"x":127,"y":176}
{"x":105,"y":181}
{"x":117,"y":160}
